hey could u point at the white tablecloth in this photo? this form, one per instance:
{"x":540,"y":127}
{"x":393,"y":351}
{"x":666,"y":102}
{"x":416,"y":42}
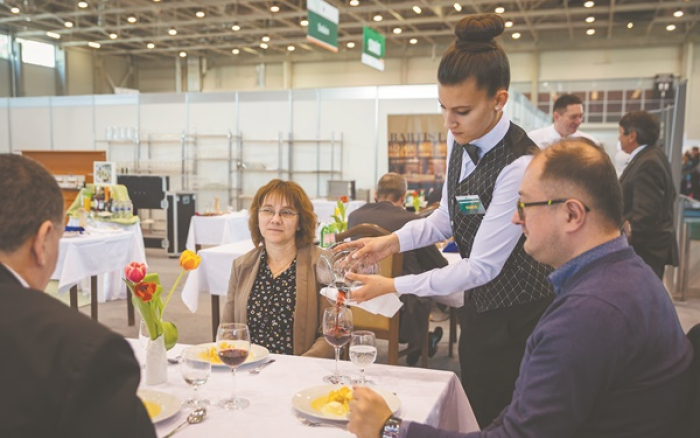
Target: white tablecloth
{"x":427,"y":396}
{"x":104,"y":254}
{"x":218,"y":230}
{"x":213,"y":273}
{"x":324,"y":209}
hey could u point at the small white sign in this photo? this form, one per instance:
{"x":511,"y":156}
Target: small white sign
{"x":104,"y":173}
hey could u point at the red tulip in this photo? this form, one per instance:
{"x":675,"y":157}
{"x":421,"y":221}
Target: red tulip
{"x":144,"y":291}
{"x":135,"y":272}
{"x":344,"y":199}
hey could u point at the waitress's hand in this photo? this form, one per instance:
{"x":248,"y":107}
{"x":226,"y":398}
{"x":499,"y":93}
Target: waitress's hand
{"x":377,"y":248}
{"x":368,"y":413}
{"x":373,"y":286}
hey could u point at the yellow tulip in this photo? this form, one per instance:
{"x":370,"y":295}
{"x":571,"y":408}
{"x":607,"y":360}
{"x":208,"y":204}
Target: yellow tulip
{"x":189,"y":260}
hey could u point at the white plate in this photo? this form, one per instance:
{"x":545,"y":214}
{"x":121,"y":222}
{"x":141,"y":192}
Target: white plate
{"x":302,"y":401}
{"x":169,"y":405}
{"x":258,"y":353}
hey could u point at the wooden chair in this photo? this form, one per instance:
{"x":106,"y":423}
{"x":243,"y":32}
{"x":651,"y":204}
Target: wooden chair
{"x":383,"y":327}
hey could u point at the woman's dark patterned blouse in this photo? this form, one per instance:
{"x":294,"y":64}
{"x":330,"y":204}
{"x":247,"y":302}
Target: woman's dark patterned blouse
{"x":270,"y":310}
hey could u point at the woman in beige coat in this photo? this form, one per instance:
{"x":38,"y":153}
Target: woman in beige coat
{"x":273,"y":288}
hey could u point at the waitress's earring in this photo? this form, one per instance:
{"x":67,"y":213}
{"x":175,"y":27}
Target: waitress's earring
{"x":497,"y":108}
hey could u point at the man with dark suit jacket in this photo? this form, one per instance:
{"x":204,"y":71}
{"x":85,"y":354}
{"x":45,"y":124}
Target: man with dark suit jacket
{"x":389,"y":213}
{"x":648,"y":192}
{"x":61,"y":373}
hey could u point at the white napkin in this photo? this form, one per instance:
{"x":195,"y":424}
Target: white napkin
{"x":385,"y":305}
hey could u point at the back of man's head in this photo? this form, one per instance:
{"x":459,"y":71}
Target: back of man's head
{"x":29,"y":196}
{"x":564,"y":101}
{"x":579,"y":166}
{"x":391,"y":187}
{"x":646,"y":126}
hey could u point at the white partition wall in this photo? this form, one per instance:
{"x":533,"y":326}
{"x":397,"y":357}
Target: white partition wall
{"x":30,"y":124}
{"x":73,"y":123}
{"x":4,"y":126}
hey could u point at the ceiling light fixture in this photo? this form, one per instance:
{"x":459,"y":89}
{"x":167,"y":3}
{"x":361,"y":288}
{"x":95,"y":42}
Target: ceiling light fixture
{"x":290,"y":48}
{"x":304,"y":22}
{"x":499,"y":10}
{"x":678,"y":13}
{"x":350,"y":45}
{"x":509,"y":23}
{"x":265,"y":38}
{"x":589,"y":4}
{"x":156,"y":1}
{"x":82,"y":5}
{"x":172,"y":31}
{"x":354,"y":3}
{"x":235,"y":28}
{"x":53,"y":35}
{"x":377,"y":18}
{"x":235,"y":51}
{"x":94,"y":45}
{"x":200,"y":14}
{"x":413,"y":41}
{"x":68,"y":24}
{"x":671,"y":27}
{"x":131,"y":19}
{"x":590,"y":32}
{"x":590,"y":19}
{"x":630,"y":25}
{"x":150,"y":46}
{"x":183,"y":54}
{"x":417,"y":9}
{"x":274,"y":8}
{"x":263,"y":46}
{"x":516,"y":35}
{"x":458,"y":7}
{"x":113,"y":36}
{"x":15,"y":10}
{"x":397,"y":30}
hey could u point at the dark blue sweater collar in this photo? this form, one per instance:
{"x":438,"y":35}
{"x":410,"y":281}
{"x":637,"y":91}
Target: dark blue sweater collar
{"x":578,"y":263}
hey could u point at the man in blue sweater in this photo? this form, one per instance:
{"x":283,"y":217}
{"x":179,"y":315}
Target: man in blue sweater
{"x":608,"y":358}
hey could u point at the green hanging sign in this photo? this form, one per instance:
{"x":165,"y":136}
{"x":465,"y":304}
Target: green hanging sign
{"x":373,"y":49}
{"x":323,"y":24}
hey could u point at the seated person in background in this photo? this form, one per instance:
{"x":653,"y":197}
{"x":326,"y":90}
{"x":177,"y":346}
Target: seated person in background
{"x":273,"y":288}
{"x":62,"y":374}
{"x":388,"y":212}
{"x":608,"y":358}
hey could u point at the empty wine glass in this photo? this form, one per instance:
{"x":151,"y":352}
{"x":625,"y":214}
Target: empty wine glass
{"x":337,"y":326}
{"x":233,"y":347}
{"x":363,"y":352}
{"x":196,"y":369}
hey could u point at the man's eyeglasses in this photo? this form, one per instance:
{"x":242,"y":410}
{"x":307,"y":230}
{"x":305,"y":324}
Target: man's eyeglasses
{"x":285,"y":213}
{"x":521,"y":206}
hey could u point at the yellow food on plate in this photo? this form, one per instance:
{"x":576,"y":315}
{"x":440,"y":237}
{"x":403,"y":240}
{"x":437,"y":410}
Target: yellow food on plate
{"x":337,"y":402}
{"x":213,"y":356}
{"x":153,"y":409}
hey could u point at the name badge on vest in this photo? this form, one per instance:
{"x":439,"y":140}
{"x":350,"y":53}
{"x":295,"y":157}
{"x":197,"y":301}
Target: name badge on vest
{"x":470,"y":204}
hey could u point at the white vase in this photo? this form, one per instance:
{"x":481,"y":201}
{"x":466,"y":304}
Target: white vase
{"x":156,"y":361}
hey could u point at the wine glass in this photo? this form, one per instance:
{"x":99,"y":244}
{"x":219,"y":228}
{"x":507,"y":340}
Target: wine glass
{"x":337,"y":325}
{"x":196,"y":369}
{"x":345,"y":262}
{"x":233,"y":347}
{"x":363,"y":352}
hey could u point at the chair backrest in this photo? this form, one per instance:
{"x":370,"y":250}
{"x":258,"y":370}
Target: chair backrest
{"x":693,"y":408}
{"x":427,"y":211}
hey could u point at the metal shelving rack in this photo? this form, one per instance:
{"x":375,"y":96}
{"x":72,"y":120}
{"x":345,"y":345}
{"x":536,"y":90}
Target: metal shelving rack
{"x":230,"y":157}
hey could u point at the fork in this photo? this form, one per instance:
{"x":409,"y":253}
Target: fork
{"x":256,"y":371}
{"x":311,"y":423}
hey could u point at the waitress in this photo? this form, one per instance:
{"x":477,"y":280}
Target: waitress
{"x":506,"y":290}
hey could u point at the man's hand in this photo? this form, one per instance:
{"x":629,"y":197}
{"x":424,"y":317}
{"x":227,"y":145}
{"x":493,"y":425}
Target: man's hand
{"x":368,"y":413}
{"x":373,"y":286}
{"x":377,"y":248}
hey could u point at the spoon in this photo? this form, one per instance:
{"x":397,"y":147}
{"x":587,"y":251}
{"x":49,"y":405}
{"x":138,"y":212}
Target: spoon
{"x":175,"y":359}
{"x":195,"y":417}
{"x":256,"y":371}
{"x":311,"y":423}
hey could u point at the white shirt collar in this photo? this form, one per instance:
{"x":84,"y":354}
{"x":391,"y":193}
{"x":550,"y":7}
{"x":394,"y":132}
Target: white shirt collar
{"x":636,"y":152}
{"x":17,"y":276}
{"x":494,"y":136}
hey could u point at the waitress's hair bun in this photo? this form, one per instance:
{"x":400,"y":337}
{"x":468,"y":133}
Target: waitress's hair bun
{"x":476,"y":54}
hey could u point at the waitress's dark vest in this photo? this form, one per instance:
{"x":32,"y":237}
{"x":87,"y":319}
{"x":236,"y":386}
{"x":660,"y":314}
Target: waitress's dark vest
{"x":522,"y":279}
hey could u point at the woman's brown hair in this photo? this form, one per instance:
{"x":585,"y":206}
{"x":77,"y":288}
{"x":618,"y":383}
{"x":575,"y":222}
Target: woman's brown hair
{"x":476,"y":54}
{"x":296,"y":198}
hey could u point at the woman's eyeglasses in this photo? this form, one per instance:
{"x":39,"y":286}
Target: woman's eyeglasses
{"x":521,"y":206}
{"x":285,"y":213}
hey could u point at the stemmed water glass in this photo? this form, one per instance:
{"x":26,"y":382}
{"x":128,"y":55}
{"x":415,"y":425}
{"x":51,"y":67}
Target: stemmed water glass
{"x":233,"y":347}
{"x":196,"y":369}
{"x":363,"y":352}
{"x":337,"y":326}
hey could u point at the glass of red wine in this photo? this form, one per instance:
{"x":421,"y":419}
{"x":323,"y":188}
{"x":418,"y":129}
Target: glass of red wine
{"x":233,"y":347}
{"x":337,"y":326}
